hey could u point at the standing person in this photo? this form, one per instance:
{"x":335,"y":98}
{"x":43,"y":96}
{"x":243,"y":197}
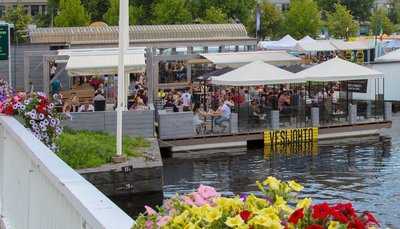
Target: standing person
{"x":55,"y":86}
{"x":186,"y":99}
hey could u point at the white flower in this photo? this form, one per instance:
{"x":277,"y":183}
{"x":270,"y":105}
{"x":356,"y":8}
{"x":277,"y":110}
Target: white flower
{"x":22,"y":107}
{"x":41,"y":116}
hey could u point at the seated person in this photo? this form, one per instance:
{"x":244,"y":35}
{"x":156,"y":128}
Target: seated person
{"x":222,"y":114}
{"x":86,"y":107}
{"x":169,"y":103}
{"x":255,"y":111}
{"x":140,"y":106}
{"x":67,"y":108}
{"x":198,"y":123}
{"x":57,"y":99}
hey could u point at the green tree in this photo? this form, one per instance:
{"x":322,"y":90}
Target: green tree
{"x":71,"y":13}
{"x":381,"y":23}
{"x":394,"y":11}
{"x":327,"y":5}
{"x":111,"y":17}
{"x":241,"y":10}
{"x":303,"y":18}
{"x":341,"y":24}
{"x":271,"y":22}
{"x":96,"y":8}
{"x":214,"y":16}
{"x":360,"y":9}
{"x":171,"y":12}
{"x":18,"y":16}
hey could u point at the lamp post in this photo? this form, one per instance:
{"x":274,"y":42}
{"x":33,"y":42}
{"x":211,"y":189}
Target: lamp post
{"x":123,"y":46}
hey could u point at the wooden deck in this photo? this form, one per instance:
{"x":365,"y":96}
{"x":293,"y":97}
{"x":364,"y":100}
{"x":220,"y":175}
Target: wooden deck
{"x":331,"y":132}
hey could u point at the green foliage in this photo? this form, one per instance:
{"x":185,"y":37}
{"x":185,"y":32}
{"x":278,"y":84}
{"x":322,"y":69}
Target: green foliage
{"x":43,"y":20}
{"x":271,"y":22}
{"x":394,"y":11}
{"x":87,"y":149}
{"x":214,"y":16}
{"x":71,"y":13}
{"x":327,"y":5}
{"x":360,"y":9}
{"x":303,"y":18}
{"x":171,"y":12}
{"x":96,"y":8}
{"x":381,"y":23}
{"x":341,"y":24}
{"x":18,"y":16}
{"x":111,"y":17}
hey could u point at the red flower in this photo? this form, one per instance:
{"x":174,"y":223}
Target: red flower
{"x":41,"y":108}
{"x":370,"y":218}
{"x":356,"y":224}
{"x":321,"y":211}
{"x":245,"y":215}
{"x":315,"y":226}
{"x":346,"y":209}
{"x":296,"y":216}
{"x":9,"y":110}
{"x":337,"y":215}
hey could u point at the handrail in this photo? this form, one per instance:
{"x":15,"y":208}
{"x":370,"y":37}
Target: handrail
{"x":95,"y":209}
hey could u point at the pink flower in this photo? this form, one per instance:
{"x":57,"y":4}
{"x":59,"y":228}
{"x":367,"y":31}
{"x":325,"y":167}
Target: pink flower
{"x":149,"y":224}
{"x":198,"y":199}
{"x":163,"y":220}
{"x":188,"y":201}
{"x":207,"y":192}
{"x":149,"y":210}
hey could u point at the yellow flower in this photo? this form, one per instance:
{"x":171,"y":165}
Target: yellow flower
{"x":191,"y":226}
{"x":213,"y":214}
{"x":181,"y":219}
{"x":272,"y":182}
{"x":254,"y":203}
{"x":333,"y":225}
{"x":233,"y":222}
{"x":229,"y":204}
{"x":266,"y":221}
{"x":295,"y":186}
{"x":279,"y":201}
{"x":304,"y":203}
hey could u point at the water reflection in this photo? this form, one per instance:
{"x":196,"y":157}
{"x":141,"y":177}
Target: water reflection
{"x":362,"y":171}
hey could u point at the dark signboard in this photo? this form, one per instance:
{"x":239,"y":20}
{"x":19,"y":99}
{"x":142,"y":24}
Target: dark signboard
{"x":359,"y":86}
{"x":4,"y":42}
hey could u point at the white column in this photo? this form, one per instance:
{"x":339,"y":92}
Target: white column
{"x":123,"y":45}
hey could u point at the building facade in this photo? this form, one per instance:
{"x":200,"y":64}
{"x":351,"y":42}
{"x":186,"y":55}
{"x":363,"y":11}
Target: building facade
{"x":33,"y":7}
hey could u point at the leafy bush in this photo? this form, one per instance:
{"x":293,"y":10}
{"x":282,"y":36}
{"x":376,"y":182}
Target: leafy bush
{"x":88,"y":149}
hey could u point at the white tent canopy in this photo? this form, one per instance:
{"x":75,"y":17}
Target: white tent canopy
{"x":337,"y":69}
{"x":286,"y":43}
{"x":237,"y":59}
{"x":256,"y":73}
{"x":306,"y":39}
{"x":316,"y":46}
{"x":352,"y":45}
{"x":102,"y":61}
{"x":393,"y":56}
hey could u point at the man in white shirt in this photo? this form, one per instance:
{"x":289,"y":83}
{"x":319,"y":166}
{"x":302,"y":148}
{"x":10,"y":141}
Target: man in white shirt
{"x":87,"y":107}
{"x":223,"y":114}
{"x":186,"y":99}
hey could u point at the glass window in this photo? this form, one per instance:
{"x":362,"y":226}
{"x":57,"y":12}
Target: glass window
{"x":2,"y":11}
{"x":34,"y":10}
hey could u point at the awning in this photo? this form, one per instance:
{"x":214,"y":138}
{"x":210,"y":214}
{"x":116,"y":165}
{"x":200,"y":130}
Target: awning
{"x":337,"y":69}
{"x":393,"y":56}
{"x":85,"y":62}
{"x":352,"y":45}
{"x":237,"y":59}
{"x":256,"y":73}
{"x":317,"y":46}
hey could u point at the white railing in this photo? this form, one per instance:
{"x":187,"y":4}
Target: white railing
{"x":39,"y":191}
